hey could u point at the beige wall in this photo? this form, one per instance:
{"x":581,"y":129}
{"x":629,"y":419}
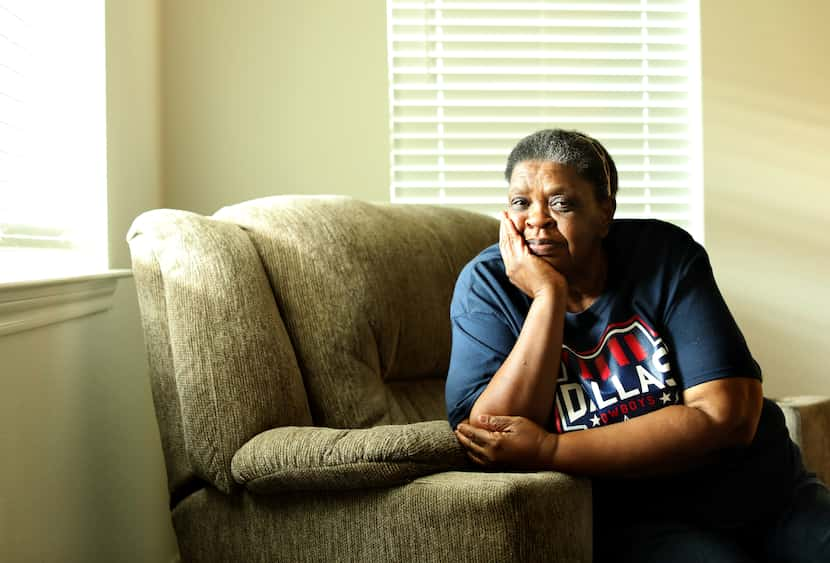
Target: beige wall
{"x":133,"y":118}
{"x":82,"y":473}
{"x":274,"y":97}
{"x":766,"y":126}
{"x":83,"y":478}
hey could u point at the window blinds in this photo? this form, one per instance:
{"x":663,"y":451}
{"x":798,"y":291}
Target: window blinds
{"x":52,"y":138}
{"x":468,"y":79}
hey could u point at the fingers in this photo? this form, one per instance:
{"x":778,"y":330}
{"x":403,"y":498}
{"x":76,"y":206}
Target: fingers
{"x":510,"y":226}
{"x":475,"y":441}
{"x":495,"y":423}
{"x":476,"y":459}
{"x":503,"y":242}
{"x":505,"y":238}
{"x":510,"y":235}
{"x":475,"y":437}
{"x":511,"y":242}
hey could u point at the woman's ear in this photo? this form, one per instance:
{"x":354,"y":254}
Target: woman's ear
{"x":608,"y":207}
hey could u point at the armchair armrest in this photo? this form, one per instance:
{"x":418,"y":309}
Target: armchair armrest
{"x":808,"y":420}
{"x":303,"y":458}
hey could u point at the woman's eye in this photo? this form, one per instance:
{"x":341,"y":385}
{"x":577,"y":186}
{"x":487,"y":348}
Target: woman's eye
{"x":560,"y":204}
{"x":518,"y":202}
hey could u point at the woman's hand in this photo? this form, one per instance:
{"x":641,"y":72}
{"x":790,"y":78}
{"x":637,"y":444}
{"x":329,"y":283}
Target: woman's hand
{"x":526,"y":271}
{"x":512,"y":441}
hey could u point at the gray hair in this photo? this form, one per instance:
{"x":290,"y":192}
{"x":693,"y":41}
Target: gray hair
{"x":587,"y":155}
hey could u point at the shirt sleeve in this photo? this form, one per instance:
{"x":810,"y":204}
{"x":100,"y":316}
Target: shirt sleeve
{"x":480,"y":344}
{"x":707,"y":342}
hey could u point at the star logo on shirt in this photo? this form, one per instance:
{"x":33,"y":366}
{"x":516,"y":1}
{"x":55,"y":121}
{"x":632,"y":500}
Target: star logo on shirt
{"x":666,"y":398}
{"x":595,"y":421}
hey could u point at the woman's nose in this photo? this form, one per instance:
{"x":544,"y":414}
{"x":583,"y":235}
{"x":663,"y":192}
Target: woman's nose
{"x":538,"y":217}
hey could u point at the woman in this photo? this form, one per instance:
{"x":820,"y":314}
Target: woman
{"x":603,"y":348}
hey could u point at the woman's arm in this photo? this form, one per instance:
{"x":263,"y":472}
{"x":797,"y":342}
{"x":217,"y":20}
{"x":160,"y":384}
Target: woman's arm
{"x":526,"y":381}
{"x":716,"y":415}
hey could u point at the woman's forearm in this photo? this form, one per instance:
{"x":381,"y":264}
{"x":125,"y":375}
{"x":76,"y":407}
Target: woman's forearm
{"x":715,"y":415}
{"x":526,"y":381}
{"x":671,"y":439}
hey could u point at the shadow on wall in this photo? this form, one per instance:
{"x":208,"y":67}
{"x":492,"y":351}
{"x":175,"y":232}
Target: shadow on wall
{"x":767,"y":197}
{"x":87,"y":461}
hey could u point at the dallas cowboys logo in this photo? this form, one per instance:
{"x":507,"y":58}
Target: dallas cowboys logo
{"x":627,"y":374}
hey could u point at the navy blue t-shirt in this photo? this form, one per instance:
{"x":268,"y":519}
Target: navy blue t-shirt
{"x":660,"y":326}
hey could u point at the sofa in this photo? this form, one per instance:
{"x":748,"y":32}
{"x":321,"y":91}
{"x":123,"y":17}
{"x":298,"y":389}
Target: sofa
{"x":297,"y":349}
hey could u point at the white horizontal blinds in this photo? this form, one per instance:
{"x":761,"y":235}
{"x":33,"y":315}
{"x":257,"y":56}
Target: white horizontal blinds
{"x":52,"y":138}
{"x":470,"y":78}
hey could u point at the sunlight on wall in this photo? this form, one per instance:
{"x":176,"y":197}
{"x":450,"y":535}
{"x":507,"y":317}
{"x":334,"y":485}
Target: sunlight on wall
{"x":766,"y":136}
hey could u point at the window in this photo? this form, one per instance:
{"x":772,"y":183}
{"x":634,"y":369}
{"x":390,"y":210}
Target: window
{"x":52,"y":139}
{"x":468,"y":79}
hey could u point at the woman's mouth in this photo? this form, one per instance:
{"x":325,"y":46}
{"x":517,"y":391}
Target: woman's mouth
{"x":545,"y":247}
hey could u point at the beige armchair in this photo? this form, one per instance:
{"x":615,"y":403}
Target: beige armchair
{"x":298,"y":348}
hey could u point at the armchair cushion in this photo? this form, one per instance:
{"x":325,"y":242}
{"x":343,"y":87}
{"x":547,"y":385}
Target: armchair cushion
{"x":295,"y":458}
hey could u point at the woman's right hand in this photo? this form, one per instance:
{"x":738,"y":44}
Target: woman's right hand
{"x":533,"y":275}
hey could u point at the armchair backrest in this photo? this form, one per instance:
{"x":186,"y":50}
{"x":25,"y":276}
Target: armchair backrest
{"x":364,"y":291}
{"x":295,"y":311}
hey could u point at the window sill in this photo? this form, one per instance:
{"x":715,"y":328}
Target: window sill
{"x":32,"y":304}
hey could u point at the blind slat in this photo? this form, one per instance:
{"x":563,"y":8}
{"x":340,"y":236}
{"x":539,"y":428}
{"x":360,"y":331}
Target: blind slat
{"x":569,"y":103}
{"x":495,"y":200}
{"x":544,"y":6}
{"x":537,"y":119}
{"x":536,"y":23}
{"x":501,"y":152}
{"x":543,"y":55}
{"x":515,"y":136}
{"x":499,"y":168}
{"x":537,"y":38}
{"x":677,"y":87}
{"x":540,"y":70}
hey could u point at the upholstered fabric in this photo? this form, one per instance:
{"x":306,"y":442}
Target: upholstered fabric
{"x":447,"y":517}
{"x":364,"y":291}
{"x":150,"y":288}
{"x":307,"y":458}
{"x":808,"y":419}
{"x":234,"y":374}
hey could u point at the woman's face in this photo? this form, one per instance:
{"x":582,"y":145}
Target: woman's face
{"x":558,"y":214}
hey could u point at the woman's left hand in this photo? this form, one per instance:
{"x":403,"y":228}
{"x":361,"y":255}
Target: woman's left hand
{"x":513,"y":441}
